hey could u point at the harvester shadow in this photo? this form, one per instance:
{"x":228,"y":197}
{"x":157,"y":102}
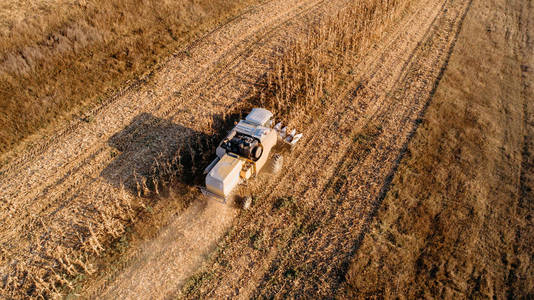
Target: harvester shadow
{"x":151,"y":151}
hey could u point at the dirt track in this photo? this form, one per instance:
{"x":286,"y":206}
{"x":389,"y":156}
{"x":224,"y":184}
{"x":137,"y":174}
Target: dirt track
{"x":391,"y":87}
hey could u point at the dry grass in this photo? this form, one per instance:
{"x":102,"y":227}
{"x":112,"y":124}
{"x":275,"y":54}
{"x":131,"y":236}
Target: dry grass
{"x":457,"y":221}
{"x":59,"y":58}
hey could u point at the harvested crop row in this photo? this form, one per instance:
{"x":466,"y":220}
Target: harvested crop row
{"x":59,"y":59}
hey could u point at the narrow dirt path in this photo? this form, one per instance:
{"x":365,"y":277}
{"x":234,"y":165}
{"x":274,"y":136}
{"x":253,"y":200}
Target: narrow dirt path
{"x":175,"y":254}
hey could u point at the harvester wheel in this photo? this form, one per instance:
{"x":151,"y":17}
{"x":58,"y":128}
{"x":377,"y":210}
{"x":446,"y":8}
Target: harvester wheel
{"x":278,"y":163}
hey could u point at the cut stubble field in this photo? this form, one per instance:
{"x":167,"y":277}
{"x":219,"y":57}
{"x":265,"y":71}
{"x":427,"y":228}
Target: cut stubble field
{"x":107,"y":207}
{"x":68,"y":196}
{"x":307,"y":224}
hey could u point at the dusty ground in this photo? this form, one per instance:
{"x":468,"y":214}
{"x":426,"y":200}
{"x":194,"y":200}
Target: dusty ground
{"x":304,"y":228}
{"x":166,"y":261}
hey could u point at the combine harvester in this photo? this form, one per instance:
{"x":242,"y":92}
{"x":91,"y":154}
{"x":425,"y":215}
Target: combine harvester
{"x":245,"y":151}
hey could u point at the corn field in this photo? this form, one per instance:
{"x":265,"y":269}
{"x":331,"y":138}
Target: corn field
{"x":305,"y":76}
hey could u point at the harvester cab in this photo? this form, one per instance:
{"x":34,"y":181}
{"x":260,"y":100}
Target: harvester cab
{"x":245,"y":151}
